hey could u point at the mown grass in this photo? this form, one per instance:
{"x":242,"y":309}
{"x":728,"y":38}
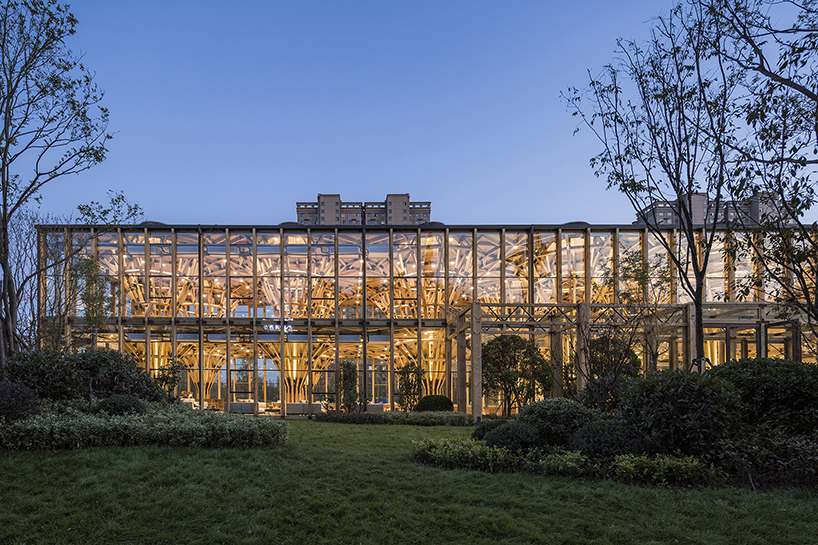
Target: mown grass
{"x":336,"y":483}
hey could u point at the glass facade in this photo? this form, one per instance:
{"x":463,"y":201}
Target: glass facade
{"x":264,"y":317}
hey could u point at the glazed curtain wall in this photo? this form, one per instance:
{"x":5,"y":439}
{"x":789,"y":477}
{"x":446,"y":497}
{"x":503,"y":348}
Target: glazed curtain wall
{"x":268,"y":315}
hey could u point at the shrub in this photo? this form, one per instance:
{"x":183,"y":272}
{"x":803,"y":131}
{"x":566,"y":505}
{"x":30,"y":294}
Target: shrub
{"x":398,"y":417}
{"x":434,"y":403}
{"x":665,"y":470}
{"x":514,"y":436}
{"x":17,"y":402}
{"x":776,"y":393}
{"x":410,"y":385}
{"x":59,"y":376}
{"x":51,"y":374}
{"x":606,"y":439}
{"x":566,"y":462}
{"x":556,"y":419}
{"x":171,"y":426}
{"x":468,"y":454}
{"x":486,"y":426}
{"x":763,"y":457}
{"x":120,"y":404}
{"x":351,"y":418}
{"x":679,"y":411}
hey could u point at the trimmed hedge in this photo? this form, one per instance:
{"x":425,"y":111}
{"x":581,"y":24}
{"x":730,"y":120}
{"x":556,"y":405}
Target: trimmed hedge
{"x":436,"y":403}
{"x":665,"y":470}
{"x":468,"y":454}
{"x":118,"y":404}
{"x":775,"y":393}
{"x":681,"y":412}
{"x":174,"y":426}
{"x":398,"y":418}
{"x":556,"y":419}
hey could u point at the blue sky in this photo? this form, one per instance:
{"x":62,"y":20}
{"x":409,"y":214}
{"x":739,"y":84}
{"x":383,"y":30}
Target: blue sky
{"x":230,"y":112}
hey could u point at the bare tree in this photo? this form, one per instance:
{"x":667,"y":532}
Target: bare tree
{"x":52,"y":124}
{"x":655,"y":111}
{"x":774,"y":44}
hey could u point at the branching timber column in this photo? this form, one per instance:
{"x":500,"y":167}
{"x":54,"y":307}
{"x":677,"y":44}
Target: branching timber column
{"x":476,"y":363}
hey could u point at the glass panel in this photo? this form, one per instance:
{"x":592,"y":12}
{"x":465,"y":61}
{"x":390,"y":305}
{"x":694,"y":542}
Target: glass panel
{"x":433,"y":298}
{"x":295,"y":297}
{"x":241,"y":254}
{"x":377,"y":297}
{"x":241,"y":296}
{"x":269,"y":298}
{"x":134,"y":277}
{"x":573,"y":267}
{"x":461,"y":291}
{"x":268,"y":258}
{"x":432,"y":255}
{"x":295,"y":254}
{"x":350,"y":257}
{"x":377,"y":255}
{"x":460,"y":254}
{"x":488,"y":256}
{"x":187,"y":254}
{"x":714,"y":277}
{"x":545,"y":263}
{"x":108,"y":249}
{"x":601,"y":251}
{"x":404,"y":251}
{"x":322,"y":252}
{"x":187,"y":296}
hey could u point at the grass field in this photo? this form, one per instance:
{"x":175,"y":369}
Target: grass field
{"x":336,"y":483}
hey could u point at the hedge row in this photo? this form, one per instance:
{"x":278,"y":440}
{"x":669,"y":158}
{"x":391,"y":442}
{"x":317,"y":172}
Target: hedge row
{"x":177,"y":427}
{"x":429,"y":418}
{"x":660,"y":470}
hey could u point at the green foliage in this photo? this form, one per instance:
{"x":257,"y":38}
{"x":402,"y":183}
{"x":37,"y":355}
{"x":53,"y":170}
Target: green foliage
{"x":486,"y":426}
{"x":763,"y":457}
{"x":399,"y":418}
{"x":52,"y":374}
{"x":171,"y":425}
{"x":556,"y":419}
{"x":665,"y":470}
{"x":56,"y":375}
{"x":560,"y":461}
{"x":410,"y":385}
{"x":680,"y":411}
{"x":513,"y":435}
{"x":168,"y":377}
{"x":119,"y":404}
{"x":775,"y":393}
{"x":17,"y":402}
{"x":606,"y":439}
{"x":516,"y":368}
{"x":467,"y":454}
{"x":611,"y":363}
{"x":351,"y":402}
{"x":93,"y":292}
{"x":434,"y":403}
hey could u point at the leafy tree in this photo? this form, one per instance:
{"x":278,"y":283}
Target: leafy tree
{"x":52,"y":124}
{"x":93,"y":293}
{"x":351,"y":401}
{"x":611,"y":362}
{"x":662,"y":113}
{"x":410,"y":385}
{"x":168,"y":377}
{"x":516,"y":368}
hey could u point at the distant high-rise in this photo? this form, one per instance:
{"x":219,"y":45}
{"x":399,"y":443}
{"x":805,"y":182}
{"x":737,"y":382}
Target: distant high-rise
{"x":397,"y":209}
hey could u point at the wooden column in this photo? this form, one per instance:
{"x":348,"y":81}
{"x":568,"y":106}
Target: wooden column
{"x":476,"y":363}
{"x":583,"y":338}
{"x":462,"y":394}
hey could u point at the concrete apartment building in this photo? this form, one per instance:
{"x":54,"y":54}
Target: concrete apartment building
{"x":397,"y":209}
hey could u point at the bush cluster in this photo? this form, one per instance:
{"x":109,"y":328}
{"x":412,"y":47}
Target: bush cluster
{"x":556,"y":419}
{"x":468,"y":454}
{"x":514,"y":435}
{"x":663,"y":470}
{"x":119,"y":404}
{"x":774,"y":393}
{"x":17,"y":402}
{"x":678,"y":411}
{"x":435,"y":403}
{"x":56,"y":375}
{"x":399,"y":418}
{"x":484,"y":427}
{"x":606,"y":439}
{"x":177,"y":427}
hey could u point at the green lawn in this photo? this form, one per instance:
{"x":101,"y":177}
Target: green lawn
{"x":336,"y":483}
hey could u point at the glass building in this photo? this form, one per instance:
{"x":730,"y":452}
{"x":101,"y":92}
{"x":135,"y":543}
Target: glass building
{"x":262,"y":317}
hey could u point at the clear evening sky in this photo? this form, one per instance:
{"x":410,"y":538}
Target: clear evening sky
{"x":230,"y":112}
